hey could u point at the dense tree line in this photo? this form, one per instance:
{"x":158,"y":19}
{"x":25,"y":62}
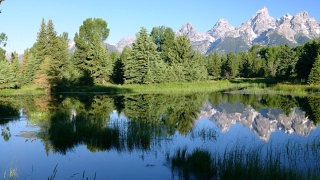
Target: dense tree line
{"x":157,"y":57}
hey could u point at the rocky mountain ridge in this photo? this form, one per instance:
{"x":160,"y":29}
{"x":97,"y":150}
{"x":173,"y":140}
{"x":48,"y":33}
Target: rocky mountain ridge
{"x":261,"y":28}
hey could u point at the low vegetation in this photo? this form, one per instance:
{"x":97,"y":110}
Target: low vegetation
{"x":293,"y":161}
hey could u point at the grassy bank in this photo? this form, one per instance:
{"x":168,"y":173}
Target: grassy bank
{"x":284,"y":89}
{"x":24,"y":90}
{"x":246,"y":86}
{"x":178,"y":87}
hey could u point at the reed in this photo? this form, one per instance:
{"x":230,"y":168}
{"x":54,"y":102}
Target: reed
{"x":292,"y":161}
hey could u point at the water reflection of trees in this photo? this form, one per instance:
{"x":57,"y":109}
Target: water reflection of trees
{"x":86,"y":120}
{"x":8,"y":112}
{"x":68,"y":121}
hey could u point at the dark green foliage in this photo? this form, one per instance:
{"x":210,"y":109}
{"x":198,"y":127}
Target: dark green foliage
{"x":31,"y":66}
{"x":314,"y":76}
{"x":270,"y":55}
{"x":51,"y":57}
{"x":245,"y":65}
{"x":199,"y":162}
{"x":16,"y":68}
{"x":214,"y":64}
{"x":7,"y":75}
{"x":288,"y":60}
{"x":307,"y":59}
{"x":163,"y":37}
{"x":118,"y":68}
{"x":91,"y":58}
{"x":232,"y":64}
{"x":143,"y":65}
{"x":184,"y":64}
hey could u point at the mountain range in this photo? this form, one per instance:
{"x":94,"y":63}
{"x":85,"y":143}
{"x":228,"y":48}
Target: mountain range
{"x":261,"y":28}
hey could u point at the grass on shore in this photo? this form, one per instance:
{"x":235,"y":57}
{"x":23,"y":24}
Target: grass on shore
{"x":252,"y":86}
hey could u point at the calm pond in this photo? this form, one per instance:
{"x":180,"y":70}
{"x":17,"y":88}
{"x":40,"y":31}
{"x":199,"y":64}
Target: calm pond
{"x":135,"y":136}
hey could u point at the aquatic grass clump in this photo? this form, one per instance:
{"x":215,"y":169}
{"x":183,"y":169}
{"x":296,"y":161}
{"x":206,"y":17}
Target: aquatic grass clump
{"x":199,"y":163}
{"x":293,"y":161}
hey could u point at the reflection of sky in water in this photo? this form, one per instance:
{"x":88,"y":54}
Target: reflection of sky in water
{"x":32,"y":162}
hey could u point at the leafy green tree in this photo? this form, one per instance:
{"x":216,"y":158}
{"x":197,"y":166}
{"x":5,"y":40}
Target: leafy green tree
{"x":163,"y":37}
{"x":91,"y":57}
{"x":314,"y":76}
{"x":31,"y":66}
{"x":258,"y":64}
{"x":307,"y":59}
{"x":99,"y":62}
{"x":24,"y":67}
{"x":224,"y":71}
{"x":232,"y":64}
{"x":214,"y":64}
{"x":118,"y":68}
{"x":197,"y":70}
{"x":141,"y":65}
{"x":245,"y":67}
{"x":53,"y":49}
{"x":180,"y":57}
{"x":288,"y":60}
{"x":15,"y":66}
{"x":42,"y":80}
{"x":41,"y":44}
{"x":7,"y":75}
{"x":272,"y":60}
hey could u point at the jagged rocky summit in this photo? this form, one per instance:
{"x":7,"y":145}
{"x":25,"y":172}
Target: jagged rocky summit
{"x":261,"y":28}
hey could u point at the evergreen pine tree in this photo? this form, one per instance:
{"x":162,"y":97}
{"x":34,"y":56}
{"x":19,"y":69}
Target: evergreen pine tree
{"x":179,"y":58}
{"x":7,"y":75}
{"x":24,"y":67}
{"x":288,"y":60}
{"x":314,"y":76}
{"x":118,"y":68}
{"x":91,"y":57}
{"x":15,"y":66}
{"x":140,"y":65}
{"x":42,"y":79}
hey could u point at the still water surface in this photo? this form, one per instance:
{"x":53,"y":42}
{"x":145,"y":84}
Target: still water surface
{"x":134,"y":136}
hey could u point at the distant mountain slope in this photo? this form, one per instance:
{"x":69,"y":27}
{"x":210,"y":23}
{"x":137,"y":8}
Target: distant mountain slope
{"x":72,"y":47}
{"x":261,"y":28}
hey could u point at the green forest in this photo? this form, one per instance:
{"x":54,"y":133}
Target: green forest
{"x":155,"y":57}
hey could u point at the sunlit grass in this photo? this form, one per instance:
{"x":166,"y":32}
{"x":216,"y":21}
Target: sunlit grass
{"x":24,"y":90}
{"x":246,"y":85}
{"x":182,"y":87}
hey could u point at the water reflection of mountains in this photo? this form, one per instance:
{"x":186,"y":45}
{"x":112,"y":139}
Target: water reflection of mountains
{"x":261,"y":122}
{"x":67,"y":121}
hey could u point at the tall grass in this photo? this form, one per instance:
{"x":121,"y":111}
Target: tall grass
{"x":292,"y":161}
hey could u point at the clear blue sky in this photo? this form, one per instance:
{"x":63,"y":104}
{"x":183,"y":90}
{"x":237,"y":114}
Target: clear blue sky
{"x":20,"y":19}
